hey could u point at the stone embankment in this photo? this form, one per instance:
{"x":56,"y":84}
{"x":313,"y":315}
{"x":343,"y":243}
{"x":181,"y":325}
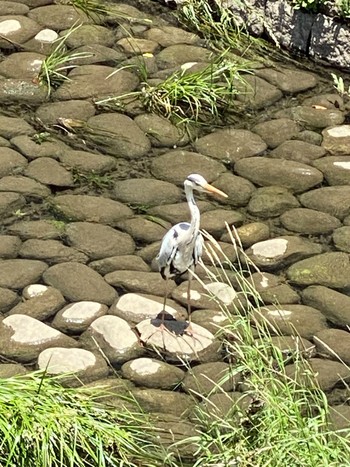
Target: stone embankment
{"x":83,"y":213}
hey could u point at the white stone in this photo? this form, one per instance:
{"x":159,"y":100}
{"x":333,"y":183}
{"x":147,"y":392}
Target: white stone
{"x":223,"y":292}
{"x":142,"y":307}
{"x":116,"y":332}
{"x":145,"y":366}
{"x":264,"y":281}
{"x":34,"y":290}
{"x":183,"y":346}
{"x":339,"y":131}
{"x":219,"y":318}
{"x":194,"y":295}
{"x":9,"y":25}
{"x":46,"y":35}
{"x":81,"y":311}
{"x":28,"y":330}
{"x":58,"y":360}
{"x":280,"y":313}
{"x":270,"y":248}
{"x":343,"y":165}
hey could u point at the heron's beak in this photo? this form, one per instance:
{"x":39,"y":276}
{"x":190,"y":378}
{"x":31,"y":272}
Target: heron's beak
{"x":212,"y":189}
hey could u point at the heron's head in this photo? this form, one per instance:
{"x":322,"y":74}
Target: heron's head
{"x":199,"y":183}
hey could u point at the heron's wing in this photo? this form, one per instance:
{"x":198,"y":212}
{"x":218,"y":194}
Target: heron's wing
{"x":198,"y":248}
{"x":174,"y":239}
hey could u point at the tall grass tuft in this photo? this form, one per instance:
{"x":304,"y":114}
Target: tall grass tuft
{"x":43,"y":424}
{"x":286,"y":418}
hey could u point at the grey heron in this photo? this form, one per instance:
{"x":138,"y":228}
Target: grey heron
{"x":182,"y":245}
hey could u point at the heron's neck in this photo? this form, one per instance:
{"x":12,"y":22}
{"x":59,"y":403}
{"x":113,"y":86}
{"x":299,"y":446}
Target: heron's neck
{"x":195,"y":214}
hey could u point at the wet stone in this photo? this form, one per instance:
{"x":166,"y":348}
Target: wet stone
{"x":175,"y":343}
{"x":334,"y":343}
{"x":329,"y":101}
{"x":25,"y":186}
{"x":298,"y":151}
{"x":146,"y":192}
{"x":287,"y":80}
{"x":238,"y":189}
{"x":160,"y":131}
{"x":248,"y":234}
{"x":21,"y":91}
{"x":272,"y":289}
{"x":137,"y":307}
{"x":341,"y":239}
{"x":78,"y":282}
{"x":152,"y":373}
{"x":14,"y":8}
{"x":334,"y":305}
{"x":23,"y":338}
{"x":178,"y":212}
{"x":292,"y":319}
{"x":257,"y":93}
{"x":88,"y":162}
{"x":115,"y":263}
{"x":327,"y":373}
{"x":271,"y":201}
{"x":9,"y":246}
{"x":44,"y":42}
{"x":49,"y":172}
{"x":91,"y":209}
{"x":143,"y":230}
{"x":16,"y":29}
{"x":58,"y":17}
{"x":12,"y":126}
{"x":294,"y":345}
{"x":33,"y":149}
{"x":282,"y":251}
{"x":50,"y":113}
{"x":97,"y":54}
{"x":98,"y":241}
{"x":210,"y":378}
{"x":40,"y":305}
{"x":309,"y":222}
{"x":336,"y":169}
{"x":264,"y":171}
{"x":336,"y":140}
{"x":214,"y":222}
{"x":317,"y":118}
{"x":81,"y":364}
{"x":8,"y":299}
{"x":10,"y":203}
{"x":230,"y":144}
{"x":137,"y":46}
{"x":89,"y":34}
{"x":51,"y":251}
{"x":227,"y":405}
{"x":21,"y":65}
{"x":169,"y":35}
{"x":114,"y":337}
{"x":96,"y":81}
{"x":8,"y":370}
{"x":340,"y":418}
{"x":311,"y":137}
{"x":179,"y":54}
{"x":328,"y":269}
{"x":11,"y":161}
{"x":275,"y":132}
{"x":18,"y":273}
{"x":43,"y":229}
{"x":174,"y":166}
{"x":138,"y":281}
{"x":168,"y":402}
{"x":334,"y":200}
{"x":77,"y":317}
{"x":118,"y":135}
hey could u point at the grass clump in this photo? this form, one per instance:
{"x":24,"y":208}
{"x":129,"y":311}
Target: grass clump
{"x":206,"y":96}
{"x":284,"y":421}
{"x":43,"y":424}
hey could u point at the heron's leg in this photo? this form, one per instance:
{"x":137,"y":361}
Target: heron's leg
{"x":189,"y":294}
{"x":164,"y":302}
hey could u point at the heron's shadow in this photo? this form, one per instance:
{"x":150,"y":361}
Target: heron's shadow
{"x":170,"y":323}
